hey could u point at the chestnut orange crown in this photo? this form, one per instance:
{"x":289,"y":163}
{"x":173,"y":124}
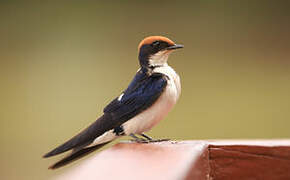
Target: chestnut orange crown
{"x":151,"y":39}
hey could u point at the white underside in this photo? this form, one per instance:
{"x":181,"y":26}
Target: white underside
{"x":147,"y":119}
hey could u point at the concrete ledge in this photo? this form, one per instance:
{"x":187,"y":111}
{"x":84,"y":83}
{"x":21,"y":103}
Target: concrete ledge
{"x":241,"y":159}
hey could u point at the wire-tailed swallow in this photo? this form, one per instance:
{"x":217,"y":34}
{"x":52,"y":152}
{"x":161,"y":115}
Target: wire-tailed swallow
{"x":149,"y":97}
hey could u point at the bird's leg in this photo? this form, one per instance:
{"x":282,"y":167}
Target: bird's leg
{"x":146,"y":139}
{"x":137,"y":139}
{"x":150,"y":139}
{"x":146,"y":136}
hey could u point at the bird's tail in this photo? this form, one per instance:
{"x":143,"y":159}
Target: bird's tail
{"x":76,"y":155}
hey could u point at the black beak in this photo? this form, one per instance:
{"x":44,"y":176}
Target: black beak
{"x":175,"y":46}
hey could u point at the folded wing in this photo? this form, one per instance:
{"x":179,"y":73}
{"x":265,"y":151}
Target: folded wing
{"x":142,"y":92}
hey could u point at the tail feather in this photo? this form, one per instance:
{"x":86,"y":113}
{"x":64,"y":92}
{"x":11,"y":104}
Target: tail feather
{"x":84,"y":138}
{"x":75,"y":155}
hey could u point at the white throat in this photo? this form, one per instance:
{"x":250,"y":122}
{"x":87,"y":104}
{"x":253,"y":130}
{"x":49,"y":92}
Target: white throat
{"x":159,"y":59}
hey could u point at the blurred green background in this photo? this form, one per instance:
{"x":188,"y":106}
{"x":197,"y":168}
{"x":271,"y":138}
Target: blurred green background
{"x":61,"y":62}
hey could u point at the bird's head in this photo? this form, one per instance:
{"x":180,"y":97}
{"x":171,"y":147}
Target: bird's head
{"x":154,"y":51}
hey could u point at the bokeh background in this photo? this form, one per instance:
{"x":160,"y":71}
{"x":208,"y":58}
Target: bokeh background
{"x":61,"y":62}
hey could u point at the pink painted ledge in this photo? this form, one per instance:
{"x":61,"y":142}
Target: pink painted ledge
{"x":201,"y":160}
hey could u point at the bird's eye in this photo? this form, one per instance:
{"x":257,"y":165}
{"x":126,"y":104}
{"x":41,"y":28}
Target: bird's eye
{"x":155,"y":43}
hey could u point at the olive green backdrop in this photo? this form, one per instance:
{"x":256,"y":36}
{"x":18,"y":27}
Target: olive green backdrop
{"x":61,"y":62}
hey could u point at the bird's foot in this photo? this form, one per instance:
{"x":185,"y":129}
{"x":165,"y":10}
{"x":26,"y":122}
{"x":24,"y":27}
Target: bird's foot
{"x":146,"y":139}
{"x":141,"y":140}
{"x":137,"y":139}
{"x":150,"y":139}
{"x":157,"y":140}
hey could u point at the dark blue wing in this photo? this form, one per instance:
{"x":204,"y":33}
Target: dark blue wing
{"x":143,"y":91}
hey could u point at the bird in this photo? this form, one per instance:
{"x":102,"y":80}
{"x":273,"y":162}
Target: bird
{"x":149,"y":97}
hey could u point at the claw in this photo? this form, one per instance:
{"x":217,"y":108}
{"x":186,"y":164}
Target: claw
{"x":150,"y":139}
{"x":158,"y":140}
{"x":137,"y":139}
{"x":140,"y":140}
{"x":147,"y":140}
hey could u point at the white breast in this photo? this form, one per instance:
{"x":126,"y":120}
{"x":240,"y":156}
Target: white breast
{"x":154,"y":114}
